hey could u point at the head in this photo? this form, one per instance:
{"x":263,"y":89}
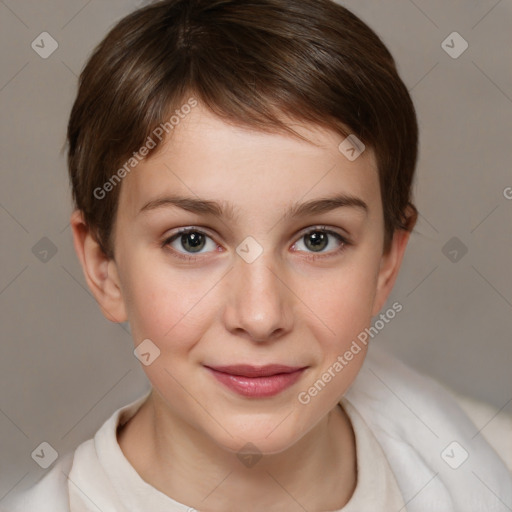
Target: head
{"x":231,"y":119}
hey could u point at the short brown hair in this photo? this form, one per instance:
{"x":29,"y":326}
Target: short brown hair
{"x":249,"y":62}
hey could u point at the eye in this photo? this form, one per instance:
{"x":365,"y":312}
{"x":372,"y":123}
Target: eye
{"x":318,"y":239}
{"x":189,"y":241}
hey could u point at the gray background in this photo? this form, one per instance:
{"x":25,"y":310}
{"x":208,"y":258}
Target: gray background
{"x":64,"y":369}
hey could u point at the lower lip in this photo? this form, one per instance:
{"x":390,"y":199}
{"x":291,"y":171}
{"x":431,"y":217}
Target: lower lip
{"x":258,"y":387}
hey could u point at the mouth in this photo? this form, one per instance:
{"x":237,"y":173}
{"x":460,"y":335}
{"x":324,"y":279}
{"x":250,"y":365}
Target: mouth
{"x":257,"y":381}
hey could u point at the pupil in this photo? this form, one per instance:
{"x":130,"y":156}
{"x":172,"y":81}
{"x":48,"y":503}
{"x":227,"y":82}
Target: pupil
{"x":194,"y":241}
{"x":316,"y":240}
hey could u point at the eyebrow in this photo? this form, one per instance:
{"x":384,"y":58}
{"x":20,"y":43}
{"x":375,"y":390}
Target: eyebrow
{"x":227,"y":210}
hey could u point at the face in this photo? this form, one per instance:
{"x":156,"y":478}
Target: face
{"x":257,"y":278}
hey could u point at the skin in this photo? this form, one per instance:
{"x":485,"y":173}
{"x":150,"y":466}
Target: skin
{"x":217,"y":309}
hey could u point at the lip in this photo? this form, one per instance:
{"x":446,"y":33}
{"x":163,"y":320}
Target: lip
{"x":257,"y":381}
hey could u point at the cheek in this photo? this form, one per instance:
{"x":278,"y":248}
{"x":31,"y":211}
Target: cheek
{"x":341,"y":305}
{"x":165,"y":304}
{"x":341,"y":300}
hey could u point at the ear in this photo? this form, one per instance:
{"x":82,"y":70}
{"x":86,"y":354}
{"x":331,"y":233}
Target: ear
{"x":100,"y":271}
{"x":391,"y":262}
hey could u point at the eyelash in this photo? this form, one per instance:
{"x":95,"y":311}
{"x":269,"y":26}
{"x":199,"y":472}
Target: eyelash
{"x":309,"y":256}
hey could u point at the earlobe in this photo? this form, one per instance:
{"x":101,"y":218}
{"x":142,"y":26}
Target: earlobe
{"x":100,"y":271}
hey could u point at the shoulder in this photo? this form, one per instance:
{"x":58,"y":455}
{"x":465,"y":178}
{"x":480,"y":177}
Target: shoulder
{"x":76,"y":472}
{"x":48,"y":494}
{"x":388,"y":385}
{"x":493,"y":423}
{"x":428,"y":437}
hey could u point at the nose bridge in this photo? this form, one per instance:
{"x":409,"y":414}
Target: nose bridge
{"x":260,"y":303}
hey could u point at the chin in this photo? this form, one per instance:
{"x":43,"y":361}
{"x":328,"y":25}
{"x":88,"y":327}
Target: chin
{"x":273,"y":438}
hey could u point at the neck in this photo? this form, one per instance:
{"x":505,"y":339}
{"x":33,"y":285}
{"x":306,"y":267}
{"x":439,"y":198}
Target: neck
{"x":316,"y":473}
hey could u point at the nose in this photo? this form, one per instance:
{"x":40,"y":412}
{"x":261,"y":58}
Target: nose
{"x":260,"y":305}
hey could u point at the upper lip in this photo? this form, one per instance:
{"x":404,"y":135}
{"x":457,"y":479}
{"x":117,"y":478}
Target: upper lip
{"x":247,"y":370}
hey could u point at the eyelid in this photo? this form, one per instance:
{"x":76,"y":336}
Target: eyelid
{"x":328,"y":229}
{"x":183,"y":231}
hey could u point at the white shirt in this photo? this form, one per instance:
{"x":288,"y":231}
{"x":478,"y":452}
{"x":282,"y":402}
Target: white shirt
{"x":401,"y":465}
{"x":101,"y":478}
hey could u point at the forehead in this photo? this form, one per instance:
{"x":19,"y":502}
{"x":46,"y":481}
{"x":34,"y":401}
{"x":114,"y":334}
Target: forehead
{"x":207,"y":157}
